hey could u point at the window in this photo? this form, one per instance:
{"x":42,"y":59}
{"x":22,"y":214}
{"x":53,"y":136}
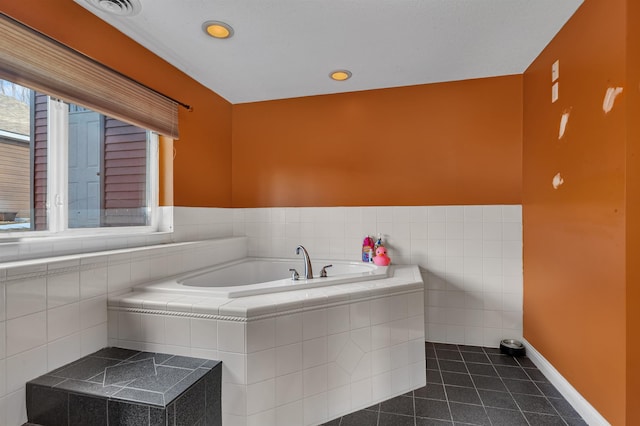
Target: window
{"x":87,"y":156}
{"x":64,"y":167}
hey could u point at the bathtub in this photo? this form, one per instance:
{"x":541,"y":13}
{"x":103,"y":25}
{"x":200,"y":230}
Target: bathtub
{"x":255,"y":276}
{"x":293,"y":352}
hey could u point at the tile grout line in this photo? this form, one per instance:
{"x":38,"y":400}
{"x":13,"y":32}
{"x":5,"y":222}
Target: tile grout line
{"x":507,"y":388}
{"x":415,"y":416}
{"x":544,"y":395}
{"x":474,"y":384}
{"x":446,"y":396}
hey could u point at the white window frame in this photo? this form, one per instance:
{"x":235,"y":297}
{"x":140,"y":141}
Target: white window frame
{"x":57,"y":185}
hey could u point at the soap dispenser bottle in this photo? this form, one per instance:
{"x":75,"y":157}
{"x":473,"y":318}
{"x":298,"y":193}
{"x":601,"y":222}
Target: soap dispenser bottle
{"x":378,"y":243}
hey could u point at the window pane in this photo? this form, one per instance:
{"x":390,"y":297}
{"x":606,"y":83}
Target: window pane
{"x":15,"y":157}
{"x":105,"y":165}
{"x":107,"y":171}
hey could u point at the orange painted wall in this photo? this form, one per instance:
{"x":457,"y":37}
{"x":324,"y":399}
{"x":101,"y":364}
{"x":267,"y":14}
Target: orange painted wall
{"x":203,"y":153}
{"x":449,"y":143}
{"x":632,"y":97}
{"x":574,"y":237}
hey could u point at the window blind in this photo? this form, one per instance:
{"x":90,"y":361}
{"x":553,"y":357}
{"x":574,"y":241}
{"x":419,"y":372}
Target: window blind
{"x":34,"y":60}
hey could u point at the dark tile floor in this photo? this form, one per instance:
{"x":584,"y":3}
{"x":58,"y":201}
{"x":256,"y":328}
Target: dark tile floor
{"x":471,"y":385}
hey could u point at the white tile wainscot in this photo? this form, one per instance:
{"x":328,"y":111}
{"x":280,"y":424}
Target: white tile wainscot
{"x":53,"y":310}
{"x":298,"y":357}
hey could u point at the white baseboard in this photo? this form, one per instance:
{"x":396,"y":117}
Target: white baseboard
{"x":573,"y":397}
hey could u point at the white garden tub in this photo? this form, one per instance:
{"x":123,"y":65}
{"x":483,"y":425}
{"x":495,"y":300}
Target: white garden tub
{"x":293,"y":352}
{"x":253,"y":276}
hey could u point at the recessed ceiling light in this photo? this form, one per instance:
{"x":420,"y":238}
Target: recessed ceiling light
{"x":217,"y":29}
{"x":340,"y":75}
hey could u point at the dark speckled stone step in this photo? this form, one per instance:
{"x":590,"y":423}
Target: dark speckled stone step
{"x":116,"y":386}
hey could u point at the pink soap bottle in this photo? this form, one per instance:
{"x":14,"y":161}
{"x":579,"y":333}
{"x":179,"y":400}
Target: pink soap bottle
{"x":367,"y":249}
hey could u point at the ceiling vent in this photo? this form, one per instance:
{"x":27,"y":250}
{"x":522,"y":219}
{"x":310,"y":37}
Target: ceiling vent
{"x":117,"y":7}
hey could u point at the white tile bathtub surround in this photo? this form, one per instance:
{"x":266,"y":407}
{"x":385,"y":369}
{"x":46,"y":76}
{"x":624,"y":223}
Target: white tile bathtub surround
{"x":198,"y":223}
{"x":54,"y":310}
{"x":470,"y":256}
{"x":295,"y":359}
{"x":482,"y":277}
{"x":25,"y":296}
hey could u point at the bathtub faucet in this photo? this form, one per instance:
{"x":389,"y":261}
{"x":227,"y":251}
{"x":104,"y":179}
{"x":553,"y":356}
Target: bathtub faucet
{"x":308,"y":273}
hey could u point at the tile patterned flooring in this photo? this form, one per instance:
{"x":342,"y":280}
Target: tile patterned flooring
{"x":471,"y":385}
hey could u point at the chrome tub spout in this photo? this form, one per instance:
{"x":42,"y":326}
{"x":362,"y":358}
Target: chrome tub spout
{"x":308,"y":272}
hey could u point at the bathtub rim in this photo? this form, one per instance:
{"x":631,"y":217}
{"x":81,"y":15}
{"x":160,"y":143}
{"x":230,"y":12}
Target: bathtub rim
{"x":173,"y":283}
{"x":405,"y":279}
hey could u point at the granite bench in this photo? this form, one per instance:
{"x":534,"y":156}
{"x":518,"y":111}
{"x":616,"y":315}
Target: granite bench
{"x":116,"y":386}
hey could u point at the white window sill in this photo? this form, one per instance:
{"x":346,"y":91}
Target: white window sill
{"x":46,"y":245}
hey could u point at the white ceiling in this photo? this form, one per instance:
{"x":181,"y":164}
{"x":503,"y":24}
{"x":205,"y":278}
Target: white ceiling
{"x":287,"y":48}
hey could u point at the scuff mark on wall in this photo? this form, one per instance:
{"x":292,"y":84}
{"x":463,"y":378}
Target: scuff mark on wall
{"x":610,"y":97}
{"x":557,"y":181}
{"x":563,"y":122}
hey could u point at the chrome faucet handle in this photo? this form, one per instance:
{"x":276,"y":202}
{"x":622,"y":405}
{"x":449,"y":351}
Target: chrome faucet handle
{"x":294,"y":274}
{"x":323,"y":271}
